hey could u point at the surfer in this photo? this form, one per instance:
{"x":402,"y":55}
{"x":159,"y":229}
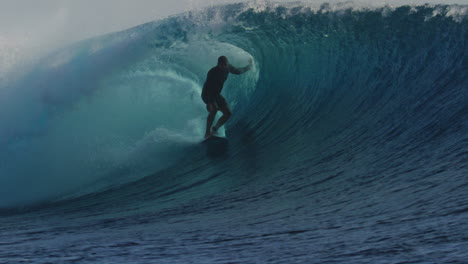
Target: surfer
{"x":211,"y":93}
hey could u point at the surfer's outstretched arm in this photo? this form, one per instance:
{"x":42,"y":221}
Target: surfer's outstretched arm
{"x":235,"y":70}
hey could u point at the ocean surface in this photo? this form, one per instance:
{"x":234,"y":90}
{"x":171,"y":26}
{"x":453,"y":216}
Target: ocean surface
{"x":348,"y":141}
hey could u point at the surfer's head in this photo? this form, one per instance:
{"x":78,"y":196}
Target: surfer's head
{"x":223,"y":61}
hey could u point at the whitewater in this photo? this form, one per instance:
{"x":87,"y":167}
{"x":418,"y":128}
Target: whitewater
{"x":348,"y":141}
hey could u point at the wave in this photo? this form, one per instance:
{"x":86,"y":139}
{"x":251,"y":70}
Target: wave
{"x":340,"y":94}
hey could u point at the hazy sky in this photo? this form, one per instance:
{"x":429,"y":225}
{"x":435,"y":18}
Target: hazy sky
{"x":77,"y":19}
{"x":48,"y":22}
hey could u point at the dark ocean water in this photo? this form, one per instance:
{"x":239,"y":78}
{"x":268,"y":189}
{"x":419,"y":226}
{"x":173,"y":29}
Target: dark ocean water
{"x":348,"y":143}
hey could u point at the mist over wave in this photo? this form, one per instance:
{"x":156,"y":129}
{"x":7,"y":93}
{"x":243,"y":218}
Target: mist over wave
{"x":116,"y":107}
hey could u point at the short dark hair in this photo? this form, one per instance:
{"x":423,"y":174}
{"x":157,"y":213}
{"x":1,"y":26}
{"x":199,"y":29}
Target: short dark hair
{"x":222,"y":60}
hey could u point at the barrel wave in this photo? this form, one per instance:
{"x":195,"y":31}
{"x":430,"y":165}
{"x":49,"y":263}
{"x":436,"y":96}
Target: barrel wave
{"x":348,"y":142}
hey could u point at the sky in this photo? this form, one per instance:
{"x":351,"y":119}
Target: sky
{"x":30,"y":28}
{"x":71,"y":20}
{"x":45,"y":24}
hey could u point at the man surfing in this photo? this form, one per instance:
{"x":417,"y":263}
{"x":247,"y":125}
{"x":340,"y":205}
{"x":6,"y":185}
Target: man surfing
{"x":211,"y":93}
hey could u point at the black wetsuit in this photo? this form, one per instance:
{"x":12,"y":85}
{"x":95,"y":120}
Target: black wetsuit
{"x":214,"y":84}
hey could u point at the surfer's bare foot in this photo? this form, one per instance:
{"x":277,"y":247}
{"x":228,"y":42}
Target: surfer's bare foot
{"x":214,"y":131}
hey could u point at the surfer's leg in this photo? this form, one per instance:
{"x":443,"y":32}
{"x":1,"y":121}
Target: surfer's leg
{"x":223,"y":107}
{"x":212,"y":109}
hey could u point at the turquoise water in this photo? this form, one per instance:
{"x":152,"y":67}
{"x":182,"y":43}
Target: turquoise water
{"x":347,"y":145}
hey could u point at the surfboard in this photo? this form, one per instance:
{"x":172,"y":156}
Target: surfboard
{"x":213,"y":138}
{"x":216,"y":146}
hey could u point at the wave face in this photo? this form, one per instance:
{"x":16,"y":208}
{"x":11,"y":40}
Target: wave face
{"x":348,"y":141}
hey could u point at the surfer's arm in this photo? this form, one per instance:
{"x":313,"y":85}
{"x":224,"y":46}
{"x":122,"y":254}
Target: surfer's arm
{"x":235,"y":70}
